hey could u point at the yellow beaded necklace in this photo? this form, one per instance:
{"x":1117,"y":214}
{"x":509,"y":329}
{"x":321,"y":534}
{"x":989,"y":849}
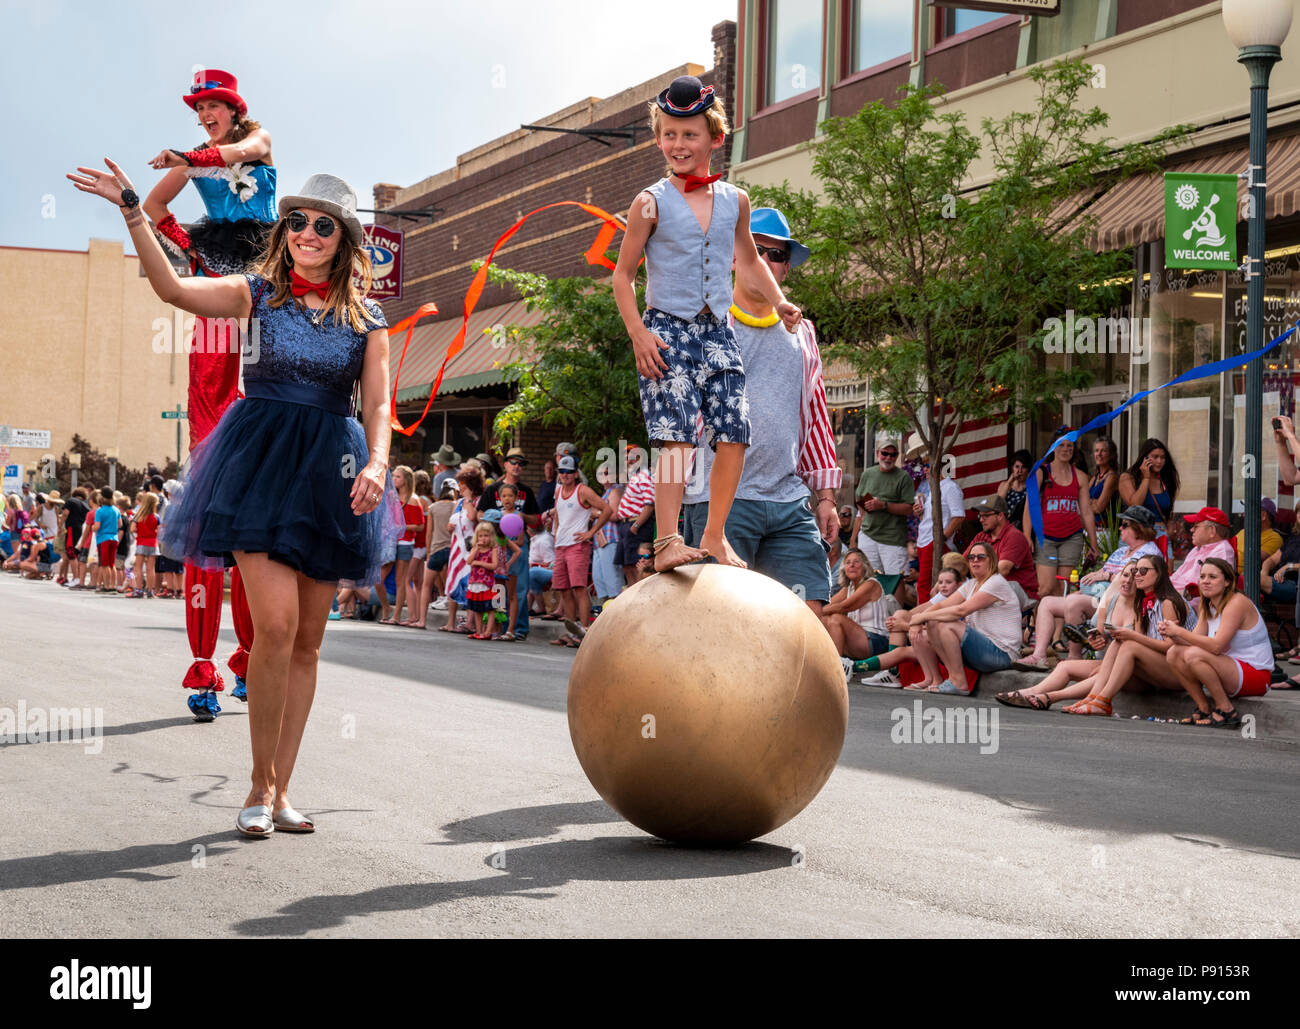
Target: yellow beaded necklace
{"x":758,"y":323}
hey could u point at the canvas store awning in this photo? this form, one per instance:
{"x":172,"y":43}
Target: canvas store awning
{"x":482,"y":361}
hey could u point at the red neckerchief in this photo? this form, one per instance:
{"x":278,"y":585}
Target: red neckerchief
{"x":1149,"y":602}
{"x":697,"y":181}
{"x":300,"y":287}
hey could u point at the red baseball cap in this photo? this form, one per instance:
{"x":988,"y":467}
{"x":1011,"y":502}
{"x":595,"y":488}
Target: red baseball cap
{"x":1207,"y":514}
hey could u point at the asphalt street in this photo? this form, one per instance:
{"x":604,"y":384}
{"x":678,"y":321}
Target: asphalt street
{"x":449,"y":803}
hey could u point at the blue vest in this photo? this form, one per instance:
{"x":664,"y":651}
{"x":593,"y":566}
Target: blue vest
{"x":686,"y":269}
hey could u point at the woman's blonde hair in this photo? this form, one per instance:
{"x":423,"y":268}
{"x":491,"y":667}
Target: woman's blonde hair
{"x":343,"y":301}
{"x":148,"y":505}
{"x":868,"y":570}
{"x":954,"y":562}
{"x":423,"y":484}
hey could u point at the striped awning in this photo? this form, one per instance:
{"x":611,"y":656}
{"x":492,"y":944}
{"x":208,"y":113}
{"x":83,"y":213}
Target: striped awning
{"x":1134,"y":211}
{"x":490,"y":346}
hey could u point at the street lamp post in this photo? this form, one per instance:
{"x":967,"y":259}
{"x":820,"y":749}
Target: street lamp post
{"x":1257,"y":29}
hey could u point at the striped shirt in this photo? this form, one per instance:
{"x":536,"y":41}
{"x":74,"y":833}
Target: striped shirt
{"x":639,"y":492}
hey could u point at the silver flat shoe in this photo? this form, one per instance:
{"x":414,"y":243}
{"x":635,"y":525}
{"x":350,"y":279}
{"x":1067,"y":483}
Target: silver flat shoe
{"x":255,"y":821}
{"x":289,"y":820}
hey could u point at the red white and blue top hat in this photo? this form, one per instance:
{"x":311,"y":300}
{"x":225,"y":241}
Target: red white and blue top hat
{"x":686,"y":96}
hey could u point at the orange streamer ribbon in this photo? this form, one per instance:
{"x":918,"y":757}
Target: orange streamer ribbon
{"x":595,"y":255}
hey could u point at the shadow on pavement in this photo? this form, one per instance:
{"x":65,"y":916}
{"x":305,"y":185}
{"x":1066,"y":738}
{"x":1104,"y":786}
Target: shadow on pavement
{"x":74,"y":866}
{"x":534,"y":872}
{"x":526,"y":823}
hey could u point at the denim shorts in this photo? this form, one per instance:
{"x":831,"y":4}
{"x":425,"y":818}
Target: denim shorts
{"x":438,"y":559}
{"x":981,"y":653}
{"x":781,"y":541}
{"x":405,"y":549}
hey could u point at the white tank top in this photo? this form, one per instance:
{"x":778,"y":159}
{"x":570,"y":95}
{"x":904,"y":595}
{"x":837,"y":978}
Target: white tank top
{"x":1248,"y":645}
{"x":871,"y":615}
{"x":571,"y":517}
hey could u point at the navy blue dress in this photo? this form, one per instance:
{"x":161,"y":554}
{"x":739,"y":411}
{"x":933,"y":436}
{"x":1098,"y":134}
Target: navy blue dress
{"x":275,"y":476}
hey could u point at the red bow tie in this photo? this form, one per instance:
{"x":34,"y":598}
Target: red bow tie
{"x":696,"y":181}
{"x":300,"y":287}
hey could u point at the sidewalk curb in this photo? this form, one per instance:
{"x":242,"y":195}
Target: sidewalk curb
{"x":1277,"y":714}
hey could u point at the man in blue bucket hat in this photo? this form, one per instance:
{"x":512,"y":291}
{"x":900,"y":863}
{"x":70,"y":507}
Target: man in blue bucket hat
{"x":784,"y":515}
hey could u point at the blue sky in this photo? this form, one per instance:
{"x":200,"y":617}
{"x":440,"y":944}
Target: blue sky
{"x":375,"y":92}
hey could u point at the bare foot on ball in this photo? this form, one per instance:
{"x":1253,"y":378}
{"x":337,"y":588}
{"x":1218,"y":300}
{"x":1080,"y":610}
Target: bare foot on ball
{"x":721,"y":549}
{"x":677,"y":554}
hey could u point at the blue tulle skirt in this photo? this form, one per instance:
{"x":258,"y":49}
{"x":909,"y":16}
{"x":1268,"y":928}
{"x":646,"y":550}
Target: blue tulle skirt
{"x":276,"y":478}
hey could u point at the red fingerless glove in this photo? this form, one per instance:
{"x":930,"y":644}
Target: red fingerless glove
{"x":208,"y":157}
{"x":169,"y":228}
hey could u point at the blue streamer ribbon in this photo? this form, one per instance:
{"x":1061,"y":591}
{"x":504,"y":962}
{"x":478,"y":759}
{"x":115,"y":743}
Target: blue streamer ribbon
{"x":1203,"y":371}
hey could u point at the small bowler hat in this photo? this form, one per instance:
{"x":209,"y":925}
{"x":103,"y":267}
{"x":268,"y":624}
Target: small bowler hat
{"x":685,"y":97}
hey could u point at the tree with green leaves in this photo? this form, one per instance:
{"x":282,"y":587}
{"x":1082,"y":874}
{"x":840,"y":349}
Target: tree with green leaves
{"x":936,"y":285}
{"x":581,"y":372}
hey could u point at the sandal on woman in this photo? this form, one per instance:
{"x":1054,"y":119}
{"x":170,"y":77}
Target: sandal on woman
{"x":506,"y":637}
{"x":559,"y":641}
{"x":1019,"y":698}
{"x":1197,"y":717}
{"x":572,"y":641}
{"x":1092,"y":704}
{"x":255,"y":821}
{"x":1229,"y":719}
{"x":1289,"y":655}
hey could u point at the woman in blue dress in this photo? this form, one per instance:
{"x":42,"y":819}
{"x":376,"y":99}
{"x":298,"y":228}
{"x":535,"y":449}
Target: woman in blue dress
{"x":287,"y":485}
{"x":235,"y":177}
{"x":1152,"y":482}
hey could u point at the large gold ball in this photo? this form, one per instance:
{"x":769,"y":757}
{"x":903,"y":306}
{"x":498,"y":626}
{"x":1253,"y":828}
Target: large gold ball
{"x":707,"y":705}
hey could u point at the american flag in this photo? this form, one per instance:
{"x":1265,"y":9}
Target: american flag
{"x":981,"y":458}
{"x":458,"y":560}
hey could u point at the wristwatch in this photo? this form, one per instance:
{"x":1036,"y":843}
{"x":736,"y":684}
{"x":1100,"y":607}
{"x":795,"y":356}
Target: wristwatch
{"x":130,"y":200}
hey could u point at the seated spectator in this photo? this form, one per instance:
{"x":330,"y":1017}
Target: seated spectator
{"x":1139,"y":654}
{"x":1270,"y":540}
{"x":1015,"y":556}
{"x":855,"y":616}
{"x":1075,"y":678}
{"x":1277,"y":583}
{"x":541,"y":558}
{"x":979,"y":625}
{"x":1137,"y":532}
{"x":1227,"y":655}
{"x":1210,"y":534}
{"x":953,"y":574}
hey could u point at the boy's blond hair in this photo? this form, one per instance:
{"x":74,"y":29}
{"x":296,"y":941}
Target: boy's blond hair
{"x":715,"y":116}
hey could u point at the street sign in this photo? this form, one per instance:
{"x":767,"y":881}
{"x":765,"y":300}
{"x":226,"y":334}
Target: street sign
{"x":175,"y":414}
{"x":1200,"y":220}
{"x":35,"y":438}
{"x":1050,"y":8}
{"x":12,"y":480}
{"x":385,"y":249}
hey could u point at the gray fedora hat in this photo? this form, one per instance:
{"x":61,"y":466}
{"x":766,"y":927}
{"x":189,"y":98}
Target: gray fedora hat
{"x":445,"y":455}
{"x":332,"y":195}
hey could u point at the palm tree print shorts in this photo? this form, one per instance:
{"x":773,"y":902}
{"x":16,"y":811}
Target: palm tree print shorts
{"x":705,"y":376}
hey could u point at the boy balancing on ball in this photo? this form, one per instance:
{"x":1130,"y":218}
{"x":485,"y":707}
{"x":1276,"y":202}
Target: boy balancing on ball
{"x":688,"y":225}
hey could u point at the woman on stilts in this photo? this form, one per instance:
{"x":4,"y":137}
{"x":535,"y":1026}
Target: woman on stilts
{"x":233,"y":172}
{"x":336,"y":516}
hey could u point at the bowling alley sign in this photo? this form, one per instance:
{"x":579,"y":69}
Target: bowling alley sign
{"x":385,"y":248}
{"x":1200,"y":220}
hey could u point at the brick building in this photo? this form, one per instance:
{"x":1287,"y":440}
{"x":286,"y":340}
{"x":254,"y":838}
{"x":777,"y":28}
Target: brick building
{"x":488,"y":190}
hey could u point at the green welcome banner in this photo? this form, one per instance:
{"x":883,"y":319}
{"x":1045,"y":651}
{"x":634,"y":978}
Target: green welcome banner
{"x":1200,"y":220}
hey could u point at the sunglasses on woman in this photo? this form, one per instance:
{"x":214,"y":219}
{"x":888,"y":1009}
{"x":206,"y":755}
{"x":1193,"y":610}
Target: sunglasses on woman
{"x":297,"y":221}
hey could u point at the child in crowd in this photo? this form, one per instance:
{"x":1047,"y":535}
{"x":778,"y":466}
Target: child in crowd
{"x":883,"y":665}
{"x":517,"y":565}
{"x":688,"y":225}
{"x":146,"y":546}
{"x":105,"y":526}
{"x":481,"y":590}
{"x":124,"y":540}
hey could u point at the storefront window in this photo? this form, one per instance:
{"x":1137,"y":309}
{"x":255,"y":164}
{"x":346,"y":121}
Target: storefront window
{"x":882,"y":30}
{"x":960,"y":19}
{"x":794,"y":47}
